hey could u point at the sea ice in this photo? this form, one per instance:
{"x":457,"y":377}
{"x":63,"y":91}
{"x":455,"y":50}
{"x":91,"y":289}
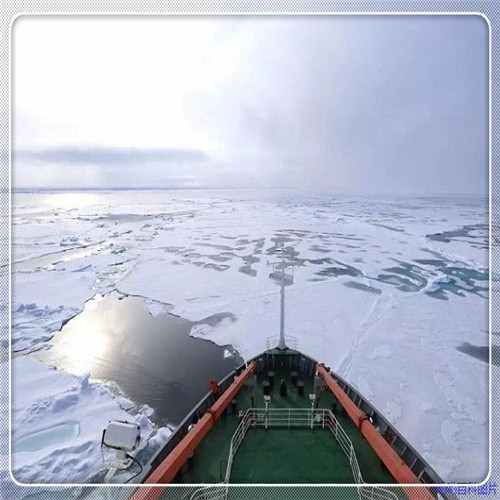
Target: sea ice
{"x":57,"y":421}
{"x":385,"y":291}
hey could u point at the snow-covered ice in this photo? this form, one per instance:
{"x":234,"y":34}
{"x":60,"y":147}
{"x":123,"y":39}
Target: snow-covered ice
{"x":57,"y":421}
{"x":385,"y":291}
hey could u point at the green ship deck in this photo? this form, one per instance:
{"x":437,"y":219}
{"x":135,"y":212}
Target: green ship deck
{"x":281,"y":454}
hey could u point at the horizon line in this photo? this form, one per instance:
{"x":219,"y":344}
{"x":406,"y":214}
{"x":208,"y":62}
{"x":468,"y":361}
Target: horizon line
{"x":247,"y":188}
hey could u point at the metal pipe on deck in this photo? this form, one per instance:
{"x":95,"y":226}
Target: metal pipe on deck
{"x":394,"y":463}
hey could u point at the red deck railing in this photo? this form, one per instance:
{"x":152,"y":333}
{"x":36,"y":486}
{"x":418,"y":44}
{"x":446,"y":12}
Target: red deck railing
{"x":168,"y":469}
{"x":394,"y":463}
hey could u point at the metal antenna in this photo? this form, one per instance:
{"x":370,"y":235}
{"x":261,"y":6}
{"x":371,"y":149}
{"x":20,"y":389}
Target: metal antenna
{"x":283,"y":279}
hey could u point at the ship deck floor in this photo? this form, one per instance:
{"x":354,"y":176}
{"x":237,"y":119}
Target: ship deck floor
{"x":290,"y":456}
{"x":282,"y":455}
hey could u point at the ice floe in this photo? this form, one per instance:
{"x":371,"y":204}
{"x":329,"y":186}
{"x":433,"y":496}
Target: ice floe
{"x":385,"y":291}
{"x":57,"y":421}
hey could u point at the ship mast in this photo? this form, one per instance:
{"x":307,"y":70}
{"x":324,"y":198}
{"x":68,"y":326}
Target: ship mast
{"x":284,"y":279}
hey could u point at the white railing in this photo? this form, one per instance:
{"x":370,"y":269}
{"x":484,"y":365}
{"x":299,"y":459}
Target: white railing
{"x":210,"y":493}
{"x":290,"y":341}
{"x":236,"y":440}
{"x":309,"y":418}
{"x":375,"y":493}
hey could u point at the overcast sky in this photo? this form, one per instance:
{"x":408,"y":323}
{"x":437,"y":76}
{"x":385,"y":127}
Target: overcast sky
{"x":346,"y":104}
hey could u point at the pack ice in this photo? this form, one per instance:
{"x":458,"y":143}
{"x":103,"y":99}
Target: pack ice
{"x":387,"y":291}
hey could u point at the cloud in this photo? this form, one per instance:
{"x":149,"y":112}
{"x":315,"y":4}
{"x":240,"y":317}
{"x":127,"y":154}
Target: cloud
{"x":351,"y":103}
{"x":101,"y":156}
